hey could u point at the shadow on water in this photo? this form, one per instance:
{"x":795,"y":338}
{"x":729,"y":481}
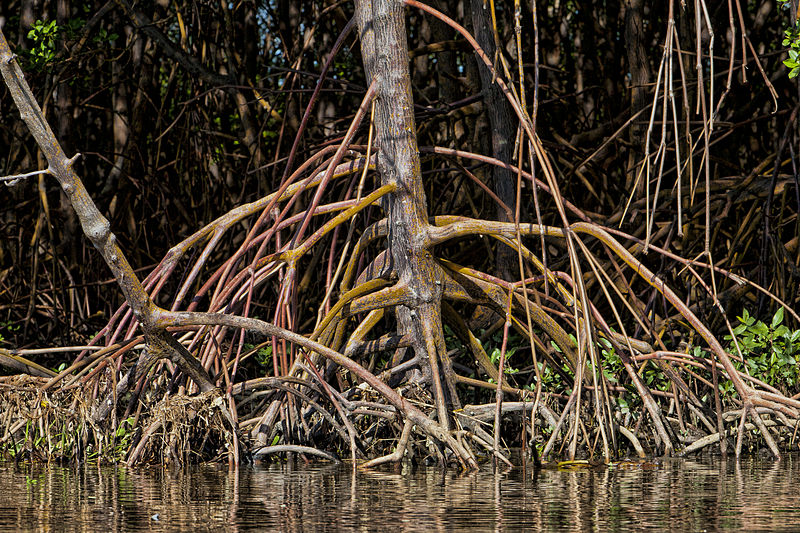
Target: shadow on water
{"x":713,"y":495}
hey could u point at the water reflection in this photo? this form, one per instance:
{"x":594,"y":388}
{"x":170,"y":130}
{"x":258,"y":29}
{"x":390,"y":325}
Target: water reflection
{"x":754,"y":495}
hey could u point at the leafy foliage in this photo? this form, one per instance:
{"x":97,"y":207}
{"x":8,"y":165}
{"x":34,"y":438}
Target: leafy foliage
{"x":44,"y":35}
{"x":792,"y":41}
{"x":771,"y":352}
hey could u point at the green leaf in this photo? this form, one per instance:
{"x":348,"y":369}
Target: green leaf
{"x":777,"y":318}
{"x":760,"y":329}
{"x":745,"y":318}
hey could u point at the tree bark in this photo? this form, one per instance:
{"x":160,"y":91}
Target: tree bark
{"x":385,"y":51}
{"x":502,"y":130}
{"x":639,"y":68}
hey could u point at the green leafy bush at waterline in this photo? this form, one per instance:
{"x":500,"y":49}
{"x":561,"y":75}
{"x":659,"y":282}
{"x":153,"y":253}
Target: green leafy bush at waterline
{"x":770,"y":351}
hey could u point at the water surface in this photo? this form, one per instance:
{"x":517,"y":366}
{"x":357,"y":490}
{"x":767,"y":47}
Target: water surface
{"x":675,"y":495}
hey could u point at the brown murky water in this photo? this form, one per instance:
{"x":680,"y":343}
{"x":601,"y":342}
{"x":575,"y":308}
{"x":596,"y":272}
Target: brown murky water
{"x":677,"y":495}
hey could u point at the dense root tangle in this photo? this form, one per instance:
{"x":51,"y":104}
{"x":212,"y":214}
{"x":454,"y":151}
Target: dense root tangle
{"x":351,"y":311}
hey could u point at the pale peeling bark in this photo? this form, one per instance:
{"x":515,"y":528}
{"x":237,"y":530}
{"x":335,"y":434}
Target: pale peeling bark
{"x":95,"y":226}
{"x":385,"y":50}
